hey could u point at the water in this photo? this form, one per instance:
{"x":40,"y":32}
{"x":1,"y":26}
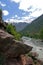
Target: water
{"x":36,"y":44}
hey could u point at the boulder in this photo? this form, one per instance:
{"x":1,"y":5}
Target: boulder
{"x":5,"y":40}
{"x":10,"y":47}
{"x":13,"y":52}
{"x":26,"y":60}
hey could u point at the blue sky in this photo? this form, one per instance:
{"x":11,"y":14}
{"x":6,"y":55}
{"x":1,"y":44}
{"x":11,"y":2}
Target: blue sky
{"x":21,"y":10}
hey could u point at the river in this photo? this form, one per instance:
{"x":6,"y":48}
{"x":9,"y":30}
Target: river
{"x":36,"y":44}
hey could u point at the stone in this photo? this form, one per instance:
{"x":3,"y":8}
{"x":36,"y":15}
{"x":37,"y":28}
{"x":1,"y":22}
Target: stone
{"x":3,"y":24}
{"x":34,"y":54}
{"x":26,"y":60}
{"x":10,"y":47}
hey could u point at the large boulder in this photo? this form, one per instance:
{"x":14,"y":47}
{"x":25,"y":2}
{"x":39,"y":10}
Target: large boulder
{"x":5,"y":40}
{"x":13,"y":52}
{"x":10,"y":47}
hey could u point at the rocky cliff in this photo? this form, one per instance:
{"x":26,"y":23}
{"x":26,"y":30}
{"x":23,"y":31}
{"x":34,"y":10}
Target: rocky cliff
{"x":13,"y":52}
{"x":11,"y":48}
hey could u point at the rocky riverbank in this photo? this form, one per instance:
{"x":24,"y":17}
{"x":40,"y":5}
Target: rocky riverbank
{"x":13,"y":52}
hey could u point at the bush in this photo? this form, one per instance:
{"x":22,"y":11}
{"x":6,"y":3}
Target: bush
{"x":12,"y":30}
{"x":41,"y":34}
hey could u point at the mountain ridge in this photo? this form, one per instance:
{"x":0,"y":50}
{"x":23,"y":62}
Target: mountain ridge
{"x":20,"y":26}
{"x":35,"y":26}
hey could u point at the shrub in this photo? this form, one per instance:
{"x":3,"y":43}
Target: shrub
{"x":12,"y":30}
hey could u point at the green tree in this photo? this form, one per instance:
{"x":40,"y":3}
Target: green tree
{"x":41,"y":34}
{"x":0,"y":14}
{"x":12,"y":30}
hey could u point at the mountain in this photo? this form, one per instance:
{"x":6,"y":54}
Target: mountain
{"x":35,"y":26}
{"x":20,"y":26}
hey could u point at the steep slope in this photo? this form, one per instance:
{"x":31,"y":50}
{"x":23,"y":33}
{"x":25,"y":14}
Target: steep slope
{"x":11,"y":50}
{"x":35,"y":26}
{"x":20,"y":26}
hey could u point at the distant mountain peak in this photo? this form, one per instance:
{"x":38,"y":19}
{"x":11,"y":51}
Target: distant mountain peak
{"x":20,"y":26}
{"x":35,"y":26}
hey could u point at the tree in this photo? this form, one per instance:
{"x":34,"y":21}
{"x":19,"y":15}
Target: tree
{"x":12,"y":30}
{"x":41,"y":34}
{"x":0,"y":14}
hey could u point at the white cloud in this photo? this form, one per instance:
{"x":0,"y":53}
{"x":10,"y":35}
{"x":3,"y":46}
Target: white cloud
{"x":36,"y":6}
{"x":23,"y":19}
{"x":15,"y":1}
{"x":15,"y":16}
{"x":36,"y":13}
{"x":5,"y":12}
{"x":25,"y":4}
{"x":13,"y":20}
{"x":2,"y":4}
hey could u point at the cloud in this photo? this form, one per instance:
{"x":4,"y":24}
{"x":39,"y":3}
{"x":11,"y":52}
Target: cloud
{"x":15,"y":16}
{"x":5,"y":12}
{"x":36,"y":13}
{"x":16,"y":20}
{"x":28,"y":3}
{"x":19,"y":19}
{"x":35,"y":6}
{"x":13,"y":20}
{"x":17,"y":1}
{"x":2,"y":4}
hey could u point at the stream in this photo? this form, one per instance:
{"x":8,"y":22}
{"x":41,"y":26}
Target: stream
{"x":36,"y":44}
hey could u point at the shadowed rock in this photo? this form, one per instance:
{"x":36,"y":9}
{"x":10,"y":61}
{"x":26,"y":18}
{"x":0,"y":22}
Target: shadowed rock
{"x":3,"y":25}
{"x":14,"y":51}
{"x":10,"y":47}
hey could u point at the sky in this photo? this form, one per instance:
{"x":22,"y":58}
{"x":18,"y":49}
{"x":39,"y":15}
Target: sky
{"x":21,"y":10}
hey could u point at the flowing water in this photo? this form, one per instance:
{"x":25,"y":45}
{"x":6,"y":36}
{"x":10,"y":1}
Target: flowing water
{"x":36,"y":44}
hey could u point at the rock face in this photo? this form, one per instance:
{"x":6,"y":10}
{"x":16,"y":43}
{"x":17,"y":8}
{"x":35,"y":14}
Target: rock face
{"x":3,"y":25}
{"x":10,"y":47}
{"x":14,"y":51}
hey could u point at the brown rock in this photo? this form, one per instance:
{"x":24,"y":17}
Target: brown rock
{"x":26,"y":60}
{"x":5,"y":40}
{"x":34,"y":54}
{"x":10,"y":47}
{"x":12,"y":61}
{"x":3,"y":24}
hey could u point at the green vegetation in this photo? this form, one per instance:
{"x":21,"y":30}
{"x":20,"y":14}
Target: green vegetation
{"x":34,"y":29}
{"x":34,"y":35}
{"x":12,"y":30}
{"x":35,"y":26}
{"x":0,"y":14}
{"x":41,"y":34}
